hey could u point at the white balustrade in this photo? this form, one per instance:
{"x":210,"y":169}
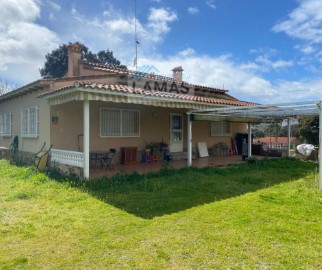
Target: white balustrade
{"x":72,"y":158}
{"x":275,"y":145}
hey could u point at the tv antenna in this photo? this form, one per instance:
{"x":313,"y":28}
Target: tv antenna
{"x":135,"y":39}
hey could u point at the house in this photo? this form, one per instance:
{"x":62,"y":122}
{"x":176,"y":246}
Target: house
{"x":96,"y":107}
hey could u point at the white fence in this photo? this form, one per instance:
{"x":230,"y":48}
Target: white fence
{"x":72,"y":158}
{"x":274,"y":145}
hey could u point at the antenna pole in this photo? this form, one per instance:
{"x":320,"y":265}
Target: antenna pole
{"x":136,"y":40}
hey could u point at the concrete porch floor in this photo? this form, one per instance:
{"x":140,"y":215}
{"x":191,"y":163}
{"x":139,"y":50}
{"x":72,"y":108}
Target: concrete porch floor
{"x":141,"y":167}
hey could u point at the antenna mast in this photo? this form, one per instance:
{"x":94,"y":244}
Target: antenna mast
{"x":136,"y":40}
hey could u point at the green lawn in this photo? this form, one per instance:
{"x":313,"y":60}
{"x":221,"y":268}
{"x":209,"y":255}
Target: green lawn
{"x":265,"y":215}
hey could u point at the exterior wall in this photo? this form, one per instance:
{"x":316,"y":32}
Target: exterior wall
{"x":15,"y":106}
{"x":67,"y":135}
{"x":201,"y":132}
{"x":70,"y":81}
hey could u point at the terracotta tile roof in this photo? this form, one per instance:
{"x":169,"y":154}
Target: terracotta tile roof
{"x":140,"y":91}
{"x":148,"y":75}
{"x":28,"y":88}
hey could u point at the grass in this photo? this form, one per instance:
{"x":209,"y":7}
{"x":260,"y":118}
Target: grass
{"x":265,"y":215}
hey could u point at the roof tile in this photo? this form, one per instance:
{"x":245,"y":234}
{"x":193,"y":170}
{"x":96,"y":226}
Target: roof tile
{"x":139,"y":91}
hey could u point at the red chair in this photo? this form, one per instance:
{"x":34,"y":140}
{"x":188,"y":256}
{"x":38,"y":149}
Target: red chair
{"x":154,"y":158}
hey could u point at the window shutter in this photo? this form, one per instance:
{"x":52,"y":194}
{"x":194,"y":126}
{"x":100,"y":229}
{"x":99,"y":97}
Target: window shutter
{"x":119,"y":123}
{"x":222,"y":128}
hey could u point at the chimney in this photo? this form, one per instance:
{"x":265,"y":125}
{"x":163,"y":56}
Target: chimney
{"x":74,"y":57}
{"x":177,"y":73}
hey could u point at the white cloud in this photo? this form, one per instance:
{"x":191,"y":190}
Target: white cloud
{"x":54,"y":5}
{"x":304,"y":23}
{"x":187,"y":52}
{"x":12,"y":11}
{"x":162,"y":15}
{"x":159,"y":19}
{"x":114,"y":31}
{"x":193,"y":10}
{"x":306,"y":48}
{"x":264,"y":63}
{"x":241,"y":79}
{"x":23,"y":43}
{"x":211,"y":4}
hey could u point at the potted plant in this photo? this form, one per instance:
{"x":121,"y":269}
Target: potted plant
{"x":148,"y":147}
{"x":163,"y":146}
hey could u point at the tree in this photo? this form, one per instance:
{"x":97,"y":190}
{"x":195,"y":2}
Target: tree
{"x":294,"y":131}
{"x":308,"y":129}
{"x":4,"y":87}
{"x":56,"y":63}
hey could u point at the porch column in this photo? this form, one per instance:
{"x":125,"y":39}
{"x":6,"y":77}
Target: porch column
{"x":86,"y":138}
{"x":288,"y":137}
{"x":320,"y":143}
{"x":189,"y":140}
{"x":249,"y":140}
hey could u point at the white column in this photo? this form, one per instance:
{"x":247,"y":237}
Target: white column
{"x":320,"y":142}
{"x":86,"y":138}
{"x":189,"y":140}
{"x":249,"y":140}
{"x":288,"y":137}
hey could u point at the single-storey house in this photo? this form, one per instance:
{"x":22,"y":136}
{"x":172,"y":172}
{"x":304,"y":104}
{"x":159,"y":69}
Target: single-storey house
{"x":96,"y":107}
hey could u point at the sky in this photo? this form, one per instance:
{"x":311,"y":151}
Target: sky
{"x":267,"y":51}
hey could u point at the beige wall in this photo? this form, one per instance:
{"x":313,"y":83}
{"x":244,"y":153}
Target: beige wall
{"x":15,"y":106}
{"x":109,"y":79}
{"x":66,"y":135}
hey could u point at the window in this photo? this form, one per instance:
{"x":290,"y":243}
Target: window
{"x":6,"y":124}
{"x":120,"y":122}
{"x":29,"y":122}
{"x":220,"y":128}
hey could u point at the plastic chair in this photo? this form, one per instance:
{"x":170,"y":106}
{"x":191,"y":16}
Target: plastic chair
{"x":41,"y":158}
{"x":147,"y":157}
{"x":109,"y":159}
{"x":155,"y":158}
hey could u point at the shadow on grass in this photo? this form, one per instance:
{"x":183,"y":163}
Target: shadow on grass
{"x":169,"y":191}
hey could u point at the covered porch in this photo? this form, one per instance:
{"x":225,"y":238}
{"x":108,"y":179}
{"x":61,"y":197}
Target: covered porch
{"x":193,"y":109}
{"x":262,"y":113}
{"x":213,"y":161}
{"x":77,"y":130}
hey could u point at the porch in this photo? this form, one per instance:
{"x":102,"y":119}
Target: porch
{"x":214,"y":161}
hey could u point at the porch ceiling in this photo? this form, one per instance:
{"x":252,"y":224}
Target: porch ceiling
{"x":228,"y":118}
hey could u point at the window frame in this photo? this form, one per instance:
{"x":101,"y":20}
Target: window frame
{"x":6,"y":124}
{"x":121,"y":123}
{"x":32,"y":125}
{"x":222,"y":128}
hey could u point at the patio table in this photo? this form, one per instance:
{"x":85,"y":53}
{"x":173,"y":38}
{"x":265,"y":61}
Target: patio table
{"x":97,"y":156}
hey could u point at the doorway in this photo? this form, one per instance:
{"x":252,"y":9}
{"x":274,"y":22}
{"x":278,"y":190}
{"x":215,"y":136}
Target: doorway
{"x":176,"y":133}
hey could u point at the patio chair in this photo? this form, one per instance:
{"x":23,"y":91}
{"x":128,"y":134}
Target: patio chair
{"x":41,"y":158}
{"x":109,"y":159}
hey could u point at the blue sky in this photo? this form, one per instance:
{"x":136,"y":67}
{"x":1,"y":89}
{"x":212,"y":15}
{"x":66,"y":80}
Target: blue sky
{"x":264,"y":51}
